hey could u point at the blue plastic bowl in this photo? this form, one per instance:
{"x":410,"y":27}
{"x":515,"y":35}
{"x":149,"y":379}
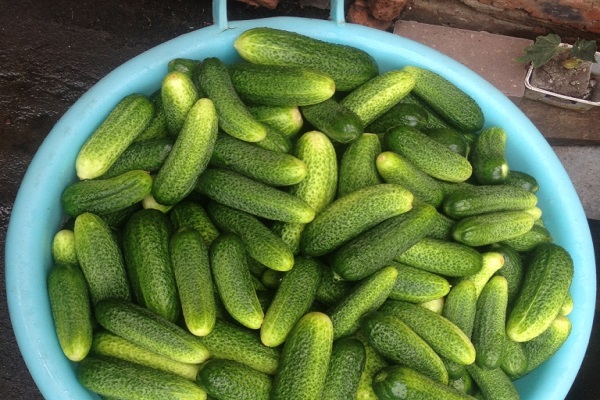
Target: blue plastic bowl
{"x":37,"y":213}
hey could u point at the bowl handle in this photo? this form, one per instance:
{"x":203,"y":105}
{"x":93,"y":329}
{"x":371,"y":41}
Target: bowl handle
{"x":337,"y":14}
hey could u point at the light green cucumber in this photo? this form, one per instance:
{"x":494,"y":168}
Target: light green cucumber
{"x":493,"y":383}
{"x":489,"y":157}
{"x":463,"y":383}
{"x":514,"y":360}
{"x":442,"y":228}
{"x":188,"y":214}
{"x":116,"y":132}
{"x":179,"y":94}
{"x":348,"y":357}
{"x":334,"y":119}
{"x":226,"y":379}
{"x":100,"y":259}
{"x":63,"y":247}
{"x":435,"y":305}
{"x":243,"y":193}
{"x":357,"y":166}
{"x":71,"y":312}
{"x":234,"y":282}
{"x":331,"y":289}
{"x":491,"y":262}
{"x":157,"y":127}
{"x":275,"y":141}
{"x":286,"y":120}
{"x":304,"y":359}
{"x":146,"y":251}
{"x":148,"y":155}
{"x":461,"y":305}
{"x":484,"y":229}
{"x":373,"y":363}
{"x":567,"y":306}
{"x":417,"y":286}
{"x":528,"y":241}
{"x":292,"y":300}
{"x":348,"y":216}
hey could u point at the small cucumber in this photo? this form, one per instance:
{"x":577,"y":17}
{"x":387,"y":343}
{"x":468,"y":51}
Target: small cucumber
{"x":71,"y":312}
{"x":522,"y":180}
{"x":234,"y":117}
{"x":348,"y":357}
{"x":425,"y":153}
{"x":129,"y":117}
{"x":104,"y":196}
{"x":528,"y":241}
{"x":400,"y":114}
{"x":148,"y":155}
{"x":357,"y":166}
{"x":450,"y":102}
{"x":548,"y":276}
{"x":286,"y":120}
{"x":331,"y":289}
{"x":242,"y":193}
{"x":442,"y":228}
{"x":188,"y":214}
{"x":178,"y":97}
{"x":63,"y":247}
{"x":271,"y":279}
{"x":114,"y":378}
{"x":491,"y":262}
{"x":275,"y":141}
{"x":157,"y":127}
{"x":149,"y":330}
{"x":489,"y":157}
{"x":450,"y":138}
{"x":304,"y":359}
{"x":292,"y":300}
{"x":373,"y":363}
{"x":190,"y":154}
{"x":378,"y":95}
{"x":463,"y":383}
{"x":567,"y":306}
{"x":226,"y":379}
{"x":100,"y":259}
{"x":348,"y":66}
{"x":234,"y":282}
{"x":348,"y":216}
{"x":417,"y":286}
{"x":484,"y":229}
{"x":461,"y":305}
{"x":334,"y":119}
{"x":434,"y":121}
{"x":185,"y":65}
{"x":493,"y":383}
{"x":514,"y":361}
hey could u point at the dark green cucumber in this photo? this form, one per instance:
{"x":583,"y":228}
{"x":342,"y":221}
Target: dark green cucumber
{"x":188,"y":214}
{"x":157,"y":127}
{"x":63,"y":247}
{"x":417,"y":286}
{"x":522,"y":180}
{"x":493,"y":383}
{"x":348,"y":66}
{"x":460,"y":306}
{"x":226,"y":379}
{"x":104,"y":196}
{"x":442,"y":228}
{"x":484,"y":229}
{"x":100,"y":259}
{"x":373,"y":363}
{"x":146,"y":251}
{"x":346,"y":366}
{"x":185,"y":65}
{"x":489,"y":157}
{"x":304,"y":359}
{"x":514,"y":360}
{"x":285,"y":120}
{"x":271,"y":279}
{"x":434,"y":121}
{"x":331,"y":289}
{"x":400,"y":114}
{"x":148,"y":155}
{"x":179,"y":94}
{"x":528,"y":241}
{"x":334,"y":119}
{"x":512,"y":269}
{"x":275,"y":141}
{"x":357,"y":166}
{"x":451,"y":138}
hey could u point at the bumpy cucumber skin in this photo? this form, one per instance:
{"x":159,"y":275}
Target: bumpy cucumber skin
{"x":378,"y":95}
{"x":304,"y":359}
{"x":461,"y":305}
{"x":373,"y":363}
{"x":494,"y":383}
{"x":129,"y":117}
{"x":275,"y":141}
{"x":397,"y":342}
{"x":188,"y":214}
{"x":146,"y":251}
{"x":226,"y":379}
{"x":111,"y":377}
{"x":522,"y":180}
{"x":178,"y":95}
{"x":292,"y":300}
{"x":512,"y":269}
{"x":334,"y":119}
{"x":149,"y":330}
{"x":100,"y":259}
{"x":545,"y":286}
{"x":429,"y":156}
{"x":434,"y":121}
{"x":148,"y":155}
{"x":484,"y":229}
{"x":489,"y":157}
{"x":514,"y":360}
{"x":242,"y":193}
{"x":104,"y":196}
{"x":451,"y":103}
{"x":341,"y":220}
{"x":349,"y":67}
{"x":528,"y":241}
{"x":71,"y":312}
{"x":491,"y":263}
{"x":450,"y":138}
{"x":331,"y":289}
{"x":346,"y":366}
{"x":190,"y":154}
{"x":400,"y":114}
{"x":357,"y":166}
{"x":63,"y":247}
{"x":157,"y":127}
{"x":377,"y":247}
{"x":285,"y":120}
{"x":234,"y":282}
{"x":417,"y":286}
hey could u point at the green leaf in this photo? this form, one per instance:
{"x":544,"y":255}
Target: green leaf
{"x":584,"y":50}
{"x":544,"y":48}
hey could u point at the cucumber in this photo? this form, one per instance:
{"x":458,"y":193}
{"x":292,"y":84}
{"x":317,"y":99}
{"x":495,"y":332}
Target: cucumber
{"x":157,"y":127}
{"x":450,"y":102}
{"x":489,"y":335}
{"x":63,"y":247}
{"x":483,"y":199}
{"x":434,"y":121}
{"x":271,"y":279}
{"x":275,"y":85}
{"x":357,"y":166}
{"x":304,"y":359}
{"x":442,"y":257}
{"x":528,"y":241}
{"x":270,"y":167}
{"x":148,"y":155}
{"x":400,"y":382}
{"x":100,"y":259}
{"x":286,"y":120}
{"x":373,"y":363}
{"x":275,"y":141}
{"x":104,"y":196}
{"x":397,"y":342}
{"x":484,"y":229}
{"x":234,"y":117}
{"x":378,"y":95}
{"x":378,"y":246}
{"x":442,"y":228}
{"x":70,"y":308}
{"x":242,"y":193}
{"x":116,"y":132}
{"x":460,"y":306}
{"x":146,"y":251}
{"x":116,"y":219}
{"x":489,"y":157}
{"x":444,"y":337}
{"x":417,"y":286}
{"x":567,"y":306}
{"x":190,"y":154}
{"x":188,"y":214}
{"x":394,"y":168}
{"x":450,"y":138}
{"x":514,"y":361}
{"x":185,"y":65}
{"x":548,"y":276}
{"x":234,"y":282}
{"x":149,"y":330}
{"x":512,"y":269}
{"x":226,"y":379}
{"x":331,"y":289}
{"x":490,"y":264}
{"x":348,"y":216}
{"x":178,"y":95}
{"x":431,"y":157}
{"x":400,"y":114}
{"x":522,"y":180}
{"x":191,"y":266}
{"x":348,"y":66}
{"x":111,"y":377}
{"x":347,"y":363}
{"x":233,"y":342}
{"x":435,"y":305}
{"x":292,"y":300}
{"x":463,"y":384}
{"x":110,"y":345}
{"x":261,"y":244}
{"x":368,"y":295}
{"x":334,"y":119}
{"x":493,"y":383}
